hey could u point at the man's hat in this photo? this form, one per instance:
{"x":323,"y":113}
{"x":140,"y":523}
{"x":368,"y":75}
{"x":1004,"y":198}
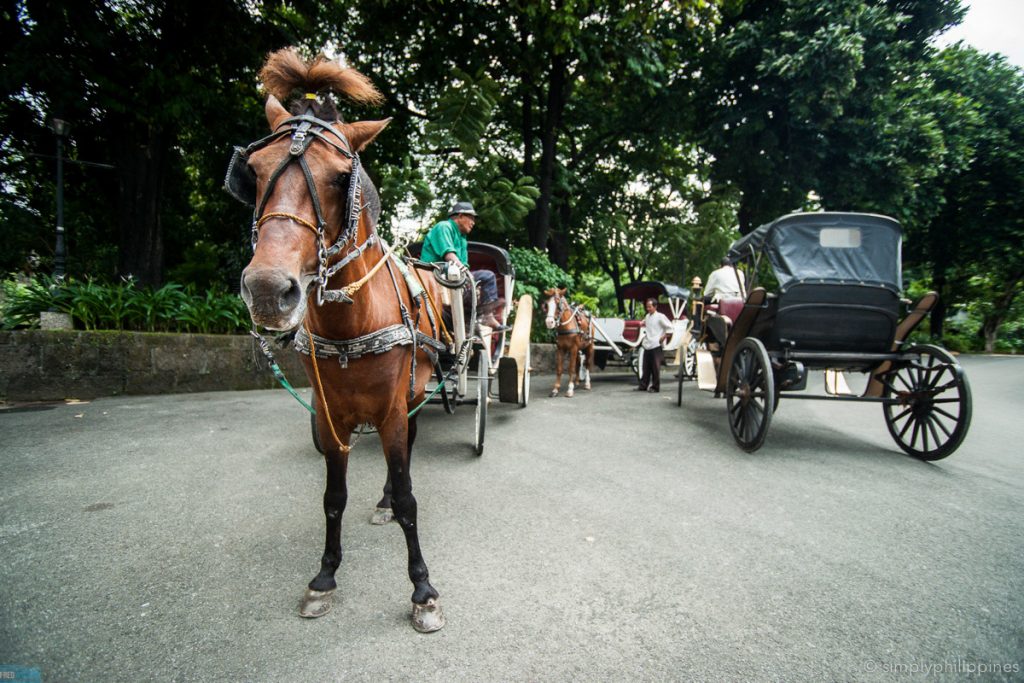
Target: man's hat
{"x":462,"y":207}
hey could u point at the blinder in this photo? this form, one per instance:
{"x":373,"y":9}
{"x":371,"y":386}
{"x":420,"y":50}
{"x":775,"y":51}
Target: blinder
{"x":240,"y":181}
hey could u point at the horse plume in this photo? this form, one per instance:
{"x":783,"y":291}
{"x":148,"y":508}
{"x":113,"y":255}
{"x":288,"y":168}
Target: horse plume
{"x":286,"y":72}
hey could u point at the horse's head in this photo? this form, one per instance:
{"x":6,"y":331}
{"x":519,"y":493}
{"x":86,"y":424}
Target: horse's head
{"x":553,"y":306}
{"x":310,"y":192}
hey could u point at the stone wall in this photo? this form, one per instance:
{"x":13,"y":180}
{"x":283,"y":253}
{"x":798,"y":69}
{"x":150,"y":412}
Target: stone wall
{"x":43,"y":365}
{"x":48,"y":365}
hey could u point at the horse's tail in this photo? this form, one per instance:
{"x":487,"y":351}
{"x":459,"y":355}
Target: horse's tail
{"x":286,"y":72}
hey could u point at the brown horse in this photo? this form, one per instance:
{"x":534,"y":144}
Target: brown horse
{"x":574,"y":334}
{"x":366,"y":325}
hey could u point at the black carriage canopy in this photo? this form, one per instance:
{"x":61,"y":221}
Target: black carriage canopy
{"x":828,"y":247}
{"x":640,"y":291}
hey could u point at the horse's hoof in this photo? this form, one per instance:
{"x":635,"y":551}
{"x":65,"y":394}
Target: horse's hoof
{"x":315,"y":603}
{"x":381,"y":516}
{"x":569,"y":394}
{"x":428,"y":617}
{"x":554,"y":392}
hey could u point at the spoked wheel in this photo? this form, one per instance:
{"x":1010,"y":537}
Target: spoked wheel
{"x":689,"y":369}
{"x":524,"y":392}
{"x":750,"y":394}
{"x":483,"y":381}
{"x":679,"y":390}
{"x":933,"y":411}
{"x":635,"y":361}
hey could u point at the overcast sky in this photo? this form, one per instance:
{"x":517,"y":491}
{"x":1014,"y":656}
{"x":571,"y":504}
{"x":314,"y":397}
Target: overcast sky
{"x":992,"y":26}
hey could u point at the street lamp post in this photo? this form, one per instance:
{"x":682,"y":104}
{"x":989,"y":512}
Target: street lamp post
{"x":60,"y":129}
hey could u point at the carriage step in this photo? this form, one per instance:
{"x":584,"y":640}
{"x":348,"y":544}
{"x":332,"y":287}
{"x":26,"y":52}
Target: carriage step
{"x":707,"y":380}
{"x":508,"y":380}
{"x":835,"y":383}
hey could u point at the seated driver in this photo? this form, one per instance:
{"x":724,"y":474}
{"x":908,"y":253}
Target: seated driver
{"x":446,"y":241}
{"x":725,"y":282}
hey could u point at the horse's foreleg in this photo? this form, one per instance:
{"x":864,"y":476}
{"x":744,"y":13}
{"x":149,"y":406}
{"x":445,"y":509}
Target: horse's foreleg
{"x":317,"y":599}
{"x":574,"y":355}
{"x":590,"y":364}
{"x":558,"y":371}
{"x":382,"y":514}
{"x":397,"y":438}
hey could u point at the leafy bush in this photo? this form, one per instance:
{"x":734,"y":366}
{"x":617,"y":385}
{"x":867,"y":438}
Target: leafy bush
{"x":123,"y":306}
{"x":535,"y":272}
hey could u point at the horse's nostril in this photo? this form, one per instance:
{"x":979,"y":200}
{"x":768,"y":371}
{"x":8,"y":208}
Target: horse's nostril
{"x":291,"y":296}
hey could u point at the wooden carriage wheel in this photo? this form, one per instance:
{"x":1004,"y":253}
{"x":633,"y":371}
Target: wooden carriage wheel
{"x":483,"y":375}
{"x":750,"y":393}
{"x":933,"y":411}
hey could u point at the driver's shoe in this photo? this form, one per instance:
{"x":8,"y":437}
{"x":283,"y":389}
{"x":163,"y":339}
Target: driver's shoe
{"x":490,"y":321}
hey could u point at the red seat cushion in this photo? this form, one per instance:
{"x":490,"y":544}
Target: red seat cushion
{"x":730,"y":308}
{"x":631,"y":331}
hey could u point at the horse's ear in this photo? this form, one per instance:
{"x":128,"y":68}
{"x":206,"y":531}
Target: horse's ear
{"x":562,"y":291}
{"x":362,"y":133}
{"x":275,"y":111}
{"x":549,"y":292}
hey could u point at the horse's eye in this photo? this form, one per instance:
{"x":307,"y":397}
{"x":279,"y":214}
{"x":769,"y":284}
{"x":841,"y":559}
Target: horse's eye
{"x":341,"y":180}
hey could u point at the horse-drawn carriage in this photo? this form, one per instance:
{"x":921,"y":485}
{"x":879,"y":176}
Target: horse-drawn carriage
{"x":480,"y":354}
{"x":617,"y":341}
{"x":835,"y":307}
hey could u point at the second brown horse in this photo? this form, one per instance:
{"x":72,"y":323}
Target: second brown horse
{"x":573,"y":334}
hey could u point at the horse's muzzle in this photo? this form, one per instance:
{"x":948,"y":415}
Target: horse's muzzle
{"x":549,"y":323}
{"x":275,"y":298}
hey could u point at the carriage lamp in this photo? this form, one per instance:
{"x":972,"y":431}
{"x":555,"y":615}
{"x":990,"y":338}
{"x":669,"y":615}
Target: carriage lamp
{"x":60,"y":128}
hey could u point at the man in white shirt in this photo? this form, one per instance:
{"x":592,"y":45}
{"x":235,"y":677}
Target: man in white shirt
{"x":657,"y":329}
{"x":725,"y":283}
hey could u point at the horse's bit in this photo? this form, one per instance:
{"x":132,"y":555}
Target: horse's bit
{"x":240,"y":182}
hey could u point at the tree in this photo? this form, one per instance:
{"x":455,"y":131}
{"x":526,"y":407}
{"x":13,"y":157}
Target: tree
{"x":156,"y":89}
{"x":973,"y":245}
{"x":808,"y":97}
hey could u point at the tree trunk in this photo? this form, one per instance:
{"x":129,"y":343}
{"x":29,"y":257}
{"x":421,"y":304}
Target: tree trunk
{"x":141,"y":170}
{"x":745,"y":214}
{"x":937,"y":317}
{"x":1000,"y":309}
{"x":560,"y":235}
{"x":540,"y":223}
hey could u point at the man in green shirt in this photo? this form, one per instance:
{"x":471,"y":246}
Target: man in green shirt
{"x":446,"y":241}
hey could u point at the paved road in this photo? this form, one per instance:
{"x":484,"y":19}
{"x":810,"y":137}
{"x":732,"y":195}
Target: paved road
{"x":612,"y":536}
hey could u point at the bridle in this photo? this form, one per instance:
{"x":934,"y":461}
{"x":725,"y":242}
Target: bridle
{"x":561,"y":308}
{"x":304,"y":129}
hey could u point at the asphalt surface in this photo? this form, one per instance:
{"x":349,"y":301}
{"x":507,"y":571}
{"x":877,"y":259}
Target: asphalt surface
{"x":611,"y":536}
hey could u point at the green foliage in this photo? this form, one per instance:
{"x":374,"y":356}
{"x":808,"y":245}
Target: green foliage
{"x":23,"y":301}
{"x":124,"y":306}
{"x":464,"y":110}
{"x":202,"y":267}
{"x":535,"y":273}
{"x":503,"y":203}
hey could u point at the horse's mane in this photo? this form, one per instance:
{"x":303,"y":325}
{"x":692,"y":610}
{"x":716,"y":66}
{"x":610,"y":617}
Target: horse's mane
{"x":286,"y":73}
